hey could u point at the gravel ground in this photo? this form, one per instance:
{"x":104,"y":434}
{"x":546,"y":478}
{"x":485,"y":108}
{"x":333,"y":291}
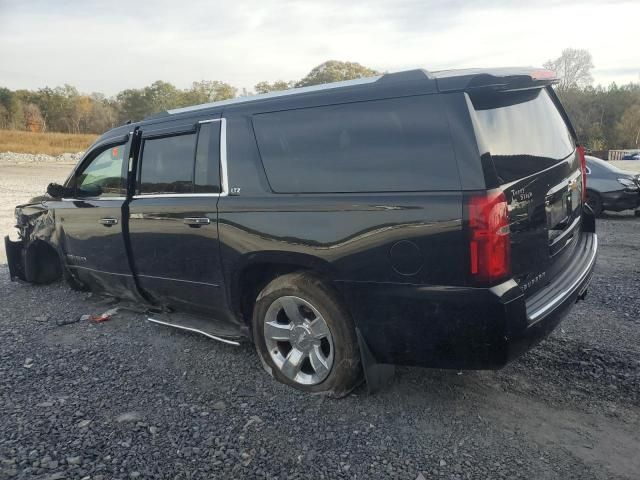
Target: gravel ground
{"x":129,"y":399}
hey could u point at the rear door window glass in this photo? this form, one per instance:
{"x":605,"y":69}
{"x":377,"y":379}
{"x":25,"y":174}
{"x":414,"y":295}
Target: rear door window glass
{"x":400,"y":144}
{"x":523,"y":131}
{"x":167,"y":164}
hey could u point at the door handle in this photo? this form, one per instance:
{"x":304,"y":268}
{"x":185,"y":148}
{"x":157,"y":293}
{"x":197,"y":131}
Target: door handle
{"x":195,"y":222}
{"x":108,"y":222}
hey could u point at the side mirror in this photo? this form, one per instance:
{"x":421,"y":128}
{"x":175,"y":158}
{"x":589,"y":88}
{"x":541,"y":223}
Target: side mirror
{"x":56,"y":191}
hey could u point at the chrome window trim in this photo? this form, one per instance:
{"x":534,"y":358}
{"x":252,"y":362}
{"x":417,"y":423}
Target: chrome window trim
{"x":176,"y":195}
{"x":93,"y":199}
{"x":224,"y":182}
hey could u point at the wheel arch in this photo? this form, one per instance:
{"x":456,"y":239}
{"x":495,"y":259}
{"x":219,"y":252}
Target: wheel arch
{"x":43,"y":262}
{"x":257,"y":269}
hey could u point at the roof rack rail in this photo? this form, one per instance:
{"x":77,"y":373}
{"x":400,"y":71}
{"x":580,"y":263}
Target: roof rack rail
{"x":406,"y":76}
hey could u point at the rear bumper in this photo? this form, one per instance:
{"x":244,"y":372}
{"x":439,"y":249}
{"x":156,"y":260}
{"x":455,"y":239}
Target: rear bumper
{"x":620,"y":200}
{"x":461,"y":327}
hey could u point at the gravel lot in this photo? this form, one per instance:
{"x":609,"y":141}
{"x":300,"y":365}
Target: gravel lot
{"x":129,"y":399}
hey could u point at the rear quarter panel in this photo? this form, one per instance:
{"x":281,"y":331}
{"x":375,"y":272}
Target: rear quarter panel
{"x":349,"y":237}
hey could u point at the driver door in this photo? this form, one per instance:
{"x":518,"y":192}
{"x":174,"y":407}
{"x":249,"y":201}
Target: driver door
{"x":90,"y":222}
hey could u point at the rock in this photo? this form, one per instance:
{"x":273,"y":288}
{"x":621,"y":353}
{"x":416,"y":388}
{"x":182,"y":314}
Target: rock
{"x":134,"y":475}
{"x":74,"y":460}
{"x":83,"y":423}
{"x":220,"y":405}
{"x":153,"y":430}
{"x":28,"y":362}
{"x":57,"y":476}
{"x":129,"y":417}
{"x":253,"y":419}
{"x":443,"y":463}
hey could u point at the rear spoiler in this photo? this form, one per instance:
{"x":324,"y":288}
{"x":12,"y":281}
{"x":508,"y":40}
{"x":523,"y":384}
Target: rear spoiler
{"x":498,"y":79}
{"x":502,"y":80}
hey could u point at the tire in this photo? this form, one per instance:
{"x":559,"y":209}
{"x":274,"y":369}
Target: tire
{"x":595,"y":202}
{"x":312,"y":348}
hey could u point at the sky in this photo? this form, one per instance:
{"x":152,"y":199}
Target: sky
{"x":108,"y":46}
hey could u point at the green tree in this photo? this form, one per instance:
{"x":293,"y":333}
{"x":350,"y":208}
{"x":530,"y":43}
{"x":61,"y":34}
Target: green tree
{"x":132,"y":105}
{"x":628,"y":128}
{"x":207,"y":91}
{"x":12,"y":108}
{"x":335,"y":71}
{"x":266,"y":87}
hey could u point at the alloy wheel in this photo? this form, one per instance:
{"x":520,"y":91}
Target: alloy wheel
{"x":298,"y":340}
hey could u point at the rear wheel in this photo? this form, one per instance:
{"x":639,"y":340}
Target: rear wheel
{"x":595,"y":202}
{"x":305,"y":336}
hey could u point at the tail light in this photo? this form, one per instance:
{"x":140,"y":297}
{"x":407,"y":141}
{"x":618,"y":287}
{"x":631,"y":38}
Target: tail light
{"x":583,"y":169}
{"x":490,"y":243}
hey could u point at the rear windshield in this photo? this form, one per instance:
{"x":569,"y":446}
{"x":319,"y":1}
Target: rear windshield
{"x":523,"y":131}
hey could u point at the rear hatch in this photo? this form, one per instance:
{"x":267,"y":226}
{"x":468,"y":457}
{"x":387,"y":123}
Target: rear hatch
{"x":529,"y":153}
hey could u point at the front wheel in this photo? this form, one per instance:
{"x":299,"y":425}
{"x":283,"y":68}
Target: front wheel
{"x":305,"y":336}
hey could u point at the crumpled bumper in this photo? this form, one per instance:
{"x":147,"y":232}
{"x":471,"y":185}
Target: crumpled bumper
{"x":15,"y":258}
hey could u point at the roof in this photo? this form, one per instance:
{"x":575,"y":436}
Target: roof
{"x":443,"y":81}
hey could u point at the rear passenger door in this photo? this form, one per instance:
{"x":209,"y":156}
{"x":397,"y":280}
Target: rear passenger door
{"x":173,"y":215}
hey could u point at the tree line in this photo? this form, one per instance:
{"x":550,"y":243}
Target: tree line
{"x":64,"y":109}
{"x":604,"y":117}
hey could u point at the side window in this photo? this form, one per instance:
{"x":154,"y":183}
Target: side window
{"x":104,"y":175}
{"x":207,"y":168}
{"x":400,"y":144}
{"x":188,"y":163}
{"x":167,"y":164}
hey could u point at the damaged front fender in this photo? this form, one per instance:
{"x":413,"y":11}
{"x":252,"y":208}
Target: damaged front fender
{"x":34,"y":257}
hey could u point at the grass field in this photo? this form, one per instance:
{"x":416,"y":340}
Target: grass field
{"x":49,"y":143}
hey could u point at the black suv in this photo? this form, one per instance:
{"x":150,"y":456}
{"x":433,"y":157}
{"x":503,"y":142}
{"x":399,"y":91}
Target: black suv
{"x":425,"y":218}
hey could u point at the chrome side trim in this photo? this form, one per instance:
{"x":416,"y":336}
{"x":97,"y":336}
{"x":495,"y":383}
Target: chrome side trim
{"x":195,"y":330}
{"x":176,"y":195}
{"x":178,"y":280}
{"x":281,"y":93}
{"x":93,"y":199}
{"x":71,"y":265}
{"x":568,"y":231}
{"x":564,"y":294}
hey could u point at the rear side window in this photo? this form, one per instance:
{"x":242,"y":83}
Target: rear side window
{"x":523,"y":131}
{"x":167,"y":164}
{"x":182,"y":163}
{"x":389,"y":145}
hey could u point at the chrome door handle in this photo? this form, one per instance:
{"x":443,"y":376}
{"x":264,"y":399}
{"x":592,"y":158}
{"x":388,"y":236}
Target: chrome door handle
{"x":107,"y":222}
{"x":197,"y":221}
